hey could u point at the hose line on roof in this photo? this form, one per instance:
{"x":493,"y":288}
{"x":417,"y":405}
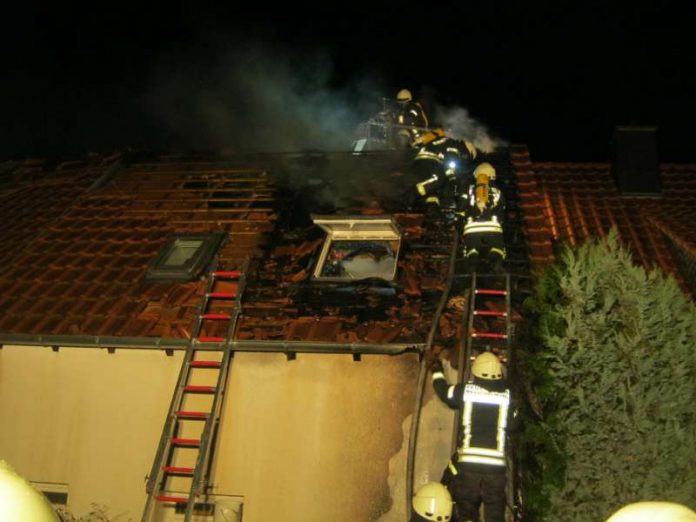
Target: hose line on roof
{"x":413,"y":436}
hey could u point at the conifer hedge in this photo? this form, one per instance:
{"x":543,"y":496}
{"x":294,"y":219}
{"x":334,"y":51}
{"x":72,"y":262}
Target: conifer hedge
{"x":613,"y":369}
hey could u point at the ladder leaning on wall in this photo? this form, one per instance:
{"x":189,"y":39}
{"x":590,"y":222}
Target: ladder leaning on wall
{"x":489,"y":328}
{"x":181,"y":468}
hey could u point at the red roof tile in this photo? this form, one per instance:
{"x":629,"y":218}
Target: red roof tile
{"x":79,"y":257}
{"x":580,"y":201}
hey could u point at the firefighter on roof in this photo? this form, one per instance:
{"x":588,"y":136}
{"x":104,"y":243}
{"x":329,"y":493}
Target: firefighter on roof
{"x":410,"y":114}
{"x":432,"y":501}
{"x":440,"y":164}
{"x":482,"y":207}
{"x":477,"y":472}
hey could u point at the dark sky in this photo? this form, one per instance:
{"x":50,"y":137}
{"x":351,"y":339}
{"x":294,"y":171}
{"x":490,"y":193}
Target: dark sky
{"x":558,"y":76}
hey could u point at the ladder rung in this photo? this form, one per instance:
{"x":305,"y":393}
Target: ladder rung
{"x":176,"y":500}
{"x":217,"y":317}
{"x":186,"y":442}
{"x":227,"y":274}
{"x":205,"y":364}
{"x":193,"y":414}
{"x":483,"y":291}
{"x":494,"y":313}
{"x":177,"y":470}
{"x":211,"y":339}
{"x":199,"y":389}
{"x":222,"y":295}
{"x":488,"y":335}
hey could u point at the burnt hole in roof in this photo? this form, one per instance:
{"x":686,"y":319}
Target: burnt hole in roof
{"x":195,"y":185}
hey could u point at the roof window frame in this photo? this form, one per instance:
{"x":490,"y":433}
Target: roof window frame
{"x":355,"y":228}
{"x":158,"y":271}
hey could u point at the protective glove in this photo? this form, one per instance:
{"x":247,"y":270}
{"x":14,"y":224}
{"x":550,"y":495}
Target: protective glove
{"x":432,"y":207}
{"x":436,"y":366}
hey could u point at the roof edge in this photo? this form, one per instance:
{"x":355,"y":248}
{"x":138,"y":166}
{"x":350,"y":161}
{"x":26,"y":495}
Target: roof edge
{"x":171,"y":344}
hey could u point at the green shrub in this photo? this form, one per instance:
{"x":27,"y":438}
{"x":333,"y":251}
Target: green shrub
{"x":614,"y":379}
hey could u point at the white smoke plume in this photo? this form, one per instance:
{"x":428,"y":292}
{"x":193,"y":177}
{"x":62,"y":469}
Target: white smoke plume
{"x":459,"y":124}
{"x":258,"y":97}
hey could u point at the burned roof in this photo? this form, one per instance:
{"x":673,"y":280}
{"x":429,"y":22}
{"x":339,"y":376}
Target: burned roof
{"x":83,"y":236}
{"x":79,"y":268}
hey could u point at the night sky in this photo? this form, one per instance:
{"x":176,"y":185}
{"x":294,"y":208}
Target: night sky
{"x":167,"y":76}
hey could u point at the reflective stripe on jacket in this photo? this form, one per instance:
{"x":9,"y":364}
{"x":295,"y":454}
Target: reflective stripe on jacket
{"x":483,"y":442}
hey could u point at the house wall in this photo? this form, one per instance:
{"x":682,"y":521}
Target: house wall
{"x":86,"y":418}
{"x":302,"y":440}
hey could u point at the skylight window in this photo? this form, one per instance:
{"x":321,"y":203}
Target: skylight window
{"x":184,"y":257}
{"x":357,"y":247}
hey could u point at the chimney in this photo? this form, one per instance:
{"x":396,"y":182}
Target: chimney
{"x":634,"y":162}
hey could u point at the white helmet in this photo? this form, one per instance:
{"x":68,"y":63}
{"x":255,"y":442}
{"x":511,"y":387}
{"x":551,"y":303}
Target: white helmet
{"x":403,"y":96}
{"x":488,"y":367}
{"x":653,"y":512}
{"x":19,"y":500}
{"x":433,"y":501}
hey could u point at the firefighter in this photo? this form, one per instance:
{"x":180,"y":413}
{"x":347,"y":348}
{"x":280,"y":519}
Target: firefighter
{"x":477,"y":471}
{"x":410,"y":114}
{"x":440,"y":164}
{"x":482,"y":207}
{"x":432,"y":501}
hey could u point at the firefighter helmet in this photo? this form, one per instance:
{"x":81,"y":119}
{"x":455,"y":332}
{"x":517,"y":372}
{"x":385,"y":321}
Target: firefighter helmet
{"x":403,"y":96}
{"x":429,"y":136}
{"x":485,"y":169}
{"x":487,"y":366}
{"x":19,"y":500}
{"x":653,"y":512}
{"x":433,"y":501}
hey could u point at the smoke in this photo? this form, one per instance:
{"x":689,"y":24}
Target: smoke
{"x":260,"y":97}
{"x":459,"y":124}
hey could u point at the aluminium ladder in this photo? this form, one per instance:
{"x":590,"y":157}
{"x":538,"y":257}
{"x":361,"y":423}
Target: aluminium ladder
{"x":489,"y":328}
{"x":489,"y":322}
{"x":183,"y":458}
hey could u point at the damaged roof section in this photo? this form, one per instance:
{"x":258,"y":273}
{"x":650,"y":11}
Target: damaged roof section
{"x":92,"y":233}
{"x":571,"y":202}
{"x":286,"y":302}
{"x":80,"y":267}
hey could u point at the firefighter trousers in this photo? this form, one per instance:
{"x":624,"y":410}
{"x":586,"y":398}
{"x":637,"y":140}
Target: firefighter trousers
{"x":469,"y":489}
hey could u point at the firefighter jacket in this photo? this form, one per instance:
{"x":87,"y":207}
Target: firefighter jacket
{"x":485,"y":414}
{"x":442,"y":162}
{"x":486,"y":220}
{"x":412,"y":114}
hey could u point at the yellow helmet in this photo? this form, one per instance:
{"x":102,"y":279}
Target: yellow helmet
{"x":403,"y":96}
{"x":429,"y":136}
{"x":484,"y":169}
{"x":653,"y":512}
{"x":433,"y":501}
{"x":19,"y":500}
{"x":487,"y":366}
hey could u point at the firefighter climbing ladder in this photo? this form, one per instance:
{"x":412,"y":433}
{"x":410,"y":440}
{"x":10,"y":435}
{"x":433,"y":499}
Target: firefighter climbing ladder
{"x":181,"y":468}
{"x":489,"y":328}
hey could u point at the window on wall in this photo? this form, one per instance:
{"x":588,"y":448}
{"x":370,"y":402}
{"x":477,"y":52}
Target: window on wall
{"x":357,"y":247}
{"x":184,"y":257}
{"x":56,"y":493}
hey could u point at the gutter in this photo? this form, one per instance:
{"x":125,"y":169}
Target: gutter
{"x":171,"y":344}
